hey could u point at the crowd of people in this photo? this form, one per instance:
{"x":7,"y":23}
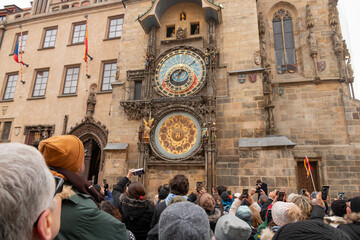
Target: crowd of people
{"x":44,"y":196}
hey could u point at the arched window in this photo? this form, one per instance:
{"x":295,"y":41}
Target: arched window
{"x":284,"y":42}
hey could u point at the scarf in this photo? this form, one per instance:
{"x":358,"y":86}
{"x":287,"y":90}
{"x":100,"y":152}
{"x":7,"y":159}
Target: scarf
{"x":170,"y":196}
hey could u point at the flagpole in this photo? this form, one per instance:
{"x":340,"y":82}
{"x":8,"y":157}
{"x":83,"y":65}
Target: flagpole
{"x":21,"y":55}
{"x":312,"y":179}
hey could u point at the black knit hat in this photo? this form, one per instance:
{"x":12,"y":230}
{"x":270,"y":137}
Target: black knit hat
{"x":163,"y":193}
{"x":225,"y":196}
{"x":339,"y":207}
{"x":311,"y":229}
{"x":355,"y":204}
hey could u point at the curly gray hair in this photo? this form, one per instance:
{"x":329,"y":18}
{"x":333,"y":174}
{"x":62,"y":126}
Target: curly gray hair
{"x":26,"y":189}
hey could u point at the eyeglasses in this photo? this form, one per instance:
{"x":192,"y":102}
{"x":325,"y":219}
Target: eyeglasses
{"x":59,"y":182}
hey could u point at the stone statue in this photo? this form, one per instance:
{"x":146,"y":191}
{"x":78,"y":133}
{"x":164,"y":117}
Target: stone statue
{"x":207,"y":56}
{"x":213,"y":132}
{"x":336,"y":40}
{"x":181,"y":33}
{"x":313,"y":43}
{"x":90,"y":109}
{"x":204,"y":133}
{"x":149,"y":61}
{"x":147,"y":129}
{"x":213,"y":54}
{"x":140,"y":134}
{"x":350,"y":71}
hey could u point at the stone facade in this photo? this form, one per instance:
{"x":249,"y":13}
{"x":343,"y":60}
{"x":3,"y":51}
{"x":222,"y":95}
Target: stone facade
{"x":245,"y":95}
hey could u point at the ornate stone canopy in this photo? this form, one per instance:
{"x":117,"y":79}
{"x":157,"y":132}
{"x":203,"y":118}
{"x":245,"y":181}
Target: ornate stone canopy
{"x":151,"y":18}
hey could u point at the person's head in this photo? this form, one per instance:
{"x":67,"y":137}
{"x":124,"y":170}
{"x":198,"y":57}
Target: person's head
{"x":339,"y":208}
{"x":255,"y":217}
{"x":97,"y":187}
{"x":184,"y":220}
{"x":291,"y":196}
{"x":230,"y":227}
{"x":258,"y":183}
{"x":179,"y":185}
{"x":108,"y":207}
{"x":29,"y":209}
{"x":263,"y":199}
{"x":311,"y":229}
{"x":136,"y":190}
{"x":244,"y":213}
{"x":65,"y":151}
{"x":218,"y":201}
{"x":166,"y":187}
{"x":284,"y":213}
{"x":225,"y":196}
{"x":163,"y":193}
{"x":355,"y":205}
{"x":305,"y":205}
{"x":206,"y":201}
{"x":221,"y":189}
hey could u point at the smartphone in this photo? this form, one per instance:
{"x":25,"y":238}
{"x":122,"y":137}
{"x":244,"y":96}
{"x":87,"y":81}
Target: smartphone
{"x":199,"y":186}
{"x":104,"y":181}
{"x":245,"y":193}
{"x":281,"y":196}
{"x":324,"y":192}
{"x":138,"y":172}
{"x":341,"y":195}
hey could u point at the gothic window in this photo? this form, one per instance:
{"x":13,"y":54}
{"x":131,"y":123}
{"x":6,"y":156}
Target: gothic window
{"x":71,"y":80}
{"x":109,"y":70}
{"x":137,"y":90}
{"x":10,"y":87}
{"x":35,"y":134}
{"x":284,"y":42}
{"x":79,"y":33}
{"x":40,"y":83}
{"x":5,"y":128}
{"x":49,"y":38}
{"x":115,"y":27}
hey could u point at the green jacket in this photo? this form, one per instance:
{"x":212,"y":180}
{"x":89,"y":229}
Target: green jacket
{"x":82,"y":219}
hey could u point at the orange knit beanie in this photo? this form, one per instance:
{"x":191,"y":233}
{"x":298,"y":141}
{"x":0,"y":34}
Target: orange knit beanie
{"x":65,"y":151}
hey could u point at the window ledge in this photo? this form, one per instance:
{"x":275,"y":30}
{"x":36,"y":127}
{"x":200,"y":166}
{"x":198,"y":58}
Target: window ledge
{"x":5,"y":141}
{"x":75,"y":44}
{"x":40,"y":49}
{"x":104,"y":92}
{"x":108,"y":39}
{"x":67,"y":95}
{"x":6,"y":100}
{"x":35,"y":98}
{"x":12,"y":54}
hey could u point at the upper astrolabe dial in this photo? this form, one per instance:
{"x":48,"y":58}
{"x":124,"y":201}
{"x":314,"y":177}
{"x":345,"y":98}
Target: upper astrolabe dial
{"x":180,"y":73}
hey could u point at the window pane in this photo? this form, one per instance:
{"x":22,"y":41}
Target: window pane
{"x":115,"y":27}
{"x":10,"y":87}
{"x":79,"y":33}
{"x":71,"y":80}
{"x":6,"y":131}
{"x":137,"y":93}
{"x":108,"y":76}
{"x":277,"y":27}
{"x":40,"y":83}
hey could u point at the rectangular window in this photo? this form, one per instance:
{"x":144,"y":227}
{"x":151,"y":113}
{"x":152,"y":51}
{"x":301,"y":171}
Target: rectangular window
{"x":170,"y":31}
{"x":10,"y":87}
{"x":195,"y":28}
{"x":49,"y":38}
{"x":71,"y":80}
{"x":115,"y":27}
{"x":24,"y":38}
{"x":40,"y":83}
{"x":108,"y":76}
{"x":79,"y":33}
{"x":137,"y":90}
{"x":5,"y":131}
{"x":2,"y":18}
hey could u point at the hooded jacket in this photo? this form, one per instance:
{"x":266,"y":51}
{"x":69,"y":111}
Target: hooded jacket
{"x":352,"y":226}
{"x":136,"y":214}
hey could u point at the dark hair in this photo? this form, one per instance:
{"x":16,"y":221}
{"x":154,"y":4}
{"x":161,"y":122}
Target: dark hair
{"x":159,"y":188}
{"x":218,"y":201}
{"x":179,"y":185}
{"x":221,"y":189}
{"x":108,"y":207}
{"x":258,"y":181}
{"x":166,"y":187}
{"x":97,"y":187}
{"x":136,"y":190}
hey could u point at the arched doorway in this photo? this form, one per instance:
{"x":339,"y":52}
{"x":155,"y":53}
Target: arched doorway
{"x":94,"y":137}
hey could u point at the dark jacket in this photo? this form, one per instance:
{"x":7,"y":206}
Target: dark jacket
{"x":352,"y":228}
{"x":82,"y":219}
{"x":156,"y":217}
{"x":136,"y":214}
{"x":264,"y":209}
{"x":119,"y":189}
{"x":213,"y":216}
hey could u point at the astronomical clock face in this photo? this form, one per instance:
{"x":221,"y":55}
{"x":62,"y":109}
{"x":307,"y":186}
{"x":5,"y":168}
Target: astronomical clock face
{"x":177,"y":135}
{"x":180,"y":73}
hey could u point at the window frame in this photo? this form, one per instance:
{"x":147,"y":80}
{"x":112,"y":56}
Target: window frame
{"x":109,"y":25}
{"x":114,"y":61}
{"x":44,"y":37}
{"x":2,"y":125}
{"x":17,"y":36}
{"x":6,"y":82}
{"x":281,"y":18}
{"x":62,"y":93}
{"x":74,"y":25}
{"x":35,"y":81}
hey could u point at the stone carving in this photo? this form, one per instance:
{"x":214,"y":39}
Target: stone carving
{"x":333,"y":14}
{"x":140,"y":134}
{"x":181,"y":33}
{"x":252,"y":77}
{"x":350,"y":71}
{"x":261,"y":24}
{"x":321,"y":66}
{"x":117,"y":73}
{"x":241,"y":78}
{"x":337,"y":42}
{"x":91,"y":102}
{"x":257,"y":58}
{"x":213,"y":132}
{"x":147,"y":128}
{"x":309,"y":17}
{"x":313,"y":44}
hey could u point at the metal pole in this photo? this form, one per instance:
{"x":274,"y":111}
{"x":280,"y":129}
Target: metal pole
{"x":312,"y":179}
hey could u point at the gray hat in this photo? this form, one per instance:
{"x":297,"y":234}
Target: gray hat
{"x":184,"y":221}
{"x":229,"y":227}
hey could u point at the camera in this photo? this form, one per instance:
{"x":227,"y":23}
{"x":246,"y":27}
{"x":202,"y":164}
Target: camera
{"x":199,"y":186}
{"x":245,"y":193}
{"x":281,"y":196}
{"x":138,"y":172}
{"x":325,"y":192}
